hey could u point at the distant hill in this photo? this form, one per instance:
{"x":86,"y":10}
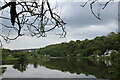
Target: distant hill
{"x":84,"y":48}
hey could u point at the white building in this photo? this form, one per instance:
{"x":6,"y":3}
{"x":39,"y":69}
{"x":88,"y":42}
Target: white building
{"x":107,"y":53}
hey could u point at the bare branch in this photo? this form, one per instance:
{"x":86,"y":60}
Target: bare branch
{"x":30,"y":15}
{"x":91,"y":7}
{"x":106,"y":4}
{"x":100,"y":5}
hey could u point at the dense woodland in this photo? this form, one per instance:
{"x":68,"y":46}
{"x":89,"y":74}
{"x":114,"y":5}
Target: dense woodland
{"x":85,"y":48}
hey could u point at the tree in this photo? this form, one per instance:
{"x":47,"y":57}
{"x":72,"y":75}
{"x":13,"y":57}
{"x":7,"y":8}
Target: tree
{"x":101,"y":5}
{"x":29,"y":15}
{"x":97,"y":52}
{"x":6,"y":53}
{"x":40,"y":13}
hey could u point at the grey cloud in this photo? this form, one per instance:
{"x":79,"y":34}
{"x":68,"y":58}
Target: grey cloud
{"x":78,"y":16}
{"x":79,"y":21}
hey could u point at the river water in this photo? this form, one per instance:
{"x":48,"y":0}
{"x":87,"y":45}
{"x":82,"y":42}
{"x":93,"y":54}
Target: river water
{"x":57,"y":68}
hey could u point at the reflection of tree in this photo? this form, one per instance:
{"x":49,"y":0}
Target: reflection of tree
{"x":115,"y":68}
{"x":20,"y":66}
{"x":35,"y":65}
{"x":2,"y":70}
{"x":78,"y":66}
{"x":87,"y":67}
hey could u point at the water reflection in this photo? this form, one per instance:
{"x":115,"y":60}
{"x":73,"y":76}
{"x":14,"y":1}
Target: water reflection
{"x":58,"y":68}
{"x":41,"y":72}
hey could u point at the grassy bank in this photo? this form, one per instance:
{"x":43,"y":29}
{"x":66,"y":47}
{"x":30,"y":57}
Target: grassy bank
{"x":10,"y":58}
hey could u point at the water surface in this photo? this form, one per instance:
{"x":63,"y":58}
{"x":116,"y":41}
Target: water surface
{"x":57,"y":68}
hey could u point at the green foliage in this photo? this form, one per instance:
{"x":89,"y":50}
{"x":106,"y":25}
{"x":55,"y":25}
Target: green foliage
{"x":9,"y":55}
{"x":79,"y":48}
{"x":5,"y":53}
{"x":97,"y":52}
{"x":2,"y":69}
{"x":113,"y":55}
{"x":11,"y":58}
{"x":83,"y":48}
{"x":115,"y":60}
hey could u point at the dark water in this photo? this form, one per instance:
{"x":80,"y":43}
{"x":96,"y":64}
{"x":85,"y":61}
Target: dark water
{"x":58,"y":68}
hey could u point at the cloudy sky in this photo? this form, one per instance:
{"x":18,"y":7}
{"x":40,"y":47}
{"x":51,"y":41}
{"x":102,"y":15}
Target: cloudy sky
{"x":81,"y":24}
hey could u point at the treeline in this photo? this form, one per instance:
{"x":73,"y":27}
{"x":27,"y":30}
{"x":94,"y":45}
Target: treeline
{"x":8,"y":54}
{"x":83,"y":48}
{"x":5,"y":53}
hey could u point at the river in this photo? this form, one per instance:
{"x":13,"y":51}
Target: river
{"x":57,"y":68}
